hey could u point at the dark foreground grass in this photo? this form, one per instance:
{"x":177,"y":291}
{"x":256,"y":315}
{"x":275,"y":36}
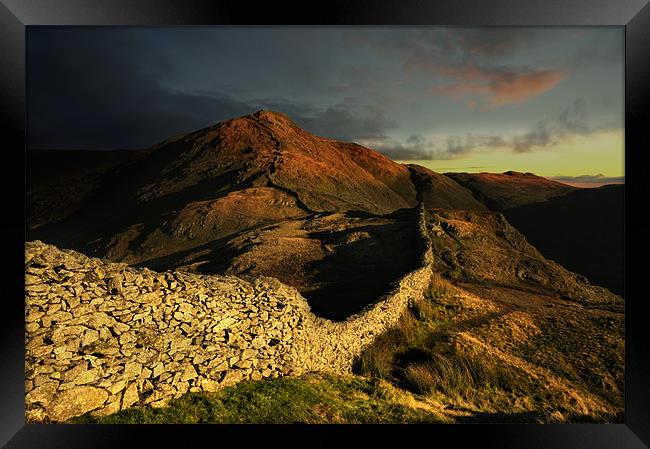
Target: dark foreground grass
{"x":312,"y":398}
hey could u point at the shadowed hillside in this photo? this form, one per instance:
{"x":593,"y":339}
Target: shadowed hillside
{"x":582,"y":230}
{"x":59,"y":181}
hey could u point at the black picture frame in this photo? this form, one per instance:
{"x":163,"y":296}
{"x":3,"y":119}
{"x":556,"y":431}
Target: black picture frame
{"x":16,"y":15}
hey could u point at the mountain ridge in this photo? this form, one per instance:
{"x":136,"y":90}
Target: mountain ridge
{"x":265,"y":150}
{"x":501,"y":191}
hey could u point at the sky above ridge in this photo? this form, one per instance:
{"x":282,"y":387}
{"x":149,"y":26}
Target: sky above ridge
{"x":542,"y":100}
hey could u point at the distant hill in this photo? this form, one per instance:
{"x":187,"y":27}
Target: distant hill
{"x":582,"y":230}
{"x":58,"y":181}
{"x":501,"y":191}
{"x":437,"y":190}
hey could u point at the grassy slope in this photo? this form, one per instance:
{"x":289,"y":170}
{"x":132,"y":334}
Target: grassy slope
{"x":487,"y":362}
{"x":455,"y":357}
{"x":311,"y":398}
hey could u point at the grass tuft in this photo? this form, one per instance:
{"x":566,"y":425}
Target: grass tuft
{"x":379,"y":359}
{"x":458,"y":373}
{"x":439,"y":288}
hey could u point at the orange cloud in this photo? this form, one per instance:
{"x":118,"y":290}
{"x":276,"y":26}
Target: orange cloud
{"x":497,"y":87}
{"x":459,"y":90}
{"x":522,"y":87}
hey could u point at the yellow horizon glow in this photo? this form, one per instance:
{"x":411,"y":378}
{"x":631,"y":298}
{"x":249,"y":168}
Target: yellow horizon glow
{"x":597,"y":153}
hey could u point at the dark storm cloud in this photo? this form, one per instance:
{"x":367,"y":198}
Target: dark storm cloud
{"x":343,"y":121}
{"x":416,"y":147}
{"x":404,"y":152}
{"x":460,"y":146}
{"x":571,"y":122}
{"x":92,"y":94}
{"x":444,"y":88}
{"x":453,"y":147}
{"x":90,"y":90}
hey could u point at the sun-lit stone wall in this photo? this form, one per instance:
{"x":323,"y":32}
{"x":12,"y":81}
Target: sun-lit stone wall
{"x":101,"y":337}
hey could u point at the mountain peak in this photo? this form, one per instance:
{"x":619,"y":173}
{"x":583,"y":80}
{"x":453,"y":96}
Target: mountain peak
{"x":271,"y":118}
{"x":261,"y":122}
{"x":268,"y":114}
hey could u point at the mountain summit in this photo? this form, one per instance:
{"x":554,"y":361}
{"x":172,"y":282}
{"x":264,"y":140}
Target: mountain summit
{"x":267,"y":149}
{"x":223,"y":179}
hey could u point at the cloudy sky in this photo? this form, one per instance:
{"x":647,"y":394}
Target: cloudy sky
{"x":542,"y":100}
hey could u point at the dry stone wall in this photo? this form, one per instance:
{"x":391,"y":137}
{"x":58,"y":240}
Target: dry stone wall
{"x":101,"y":337}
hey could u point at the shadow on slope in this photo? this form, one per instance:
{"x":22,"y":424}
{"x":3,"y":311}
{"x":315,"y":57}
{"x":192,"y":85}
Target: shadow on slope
{"x":583,"y":231}
{"x":361,"y":267}
{"x":340,"y":263}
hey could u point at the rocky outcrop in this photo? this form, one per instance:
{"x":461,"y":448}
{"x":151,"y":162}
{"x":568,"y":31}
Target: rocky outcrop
{"x":101,"y":337}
